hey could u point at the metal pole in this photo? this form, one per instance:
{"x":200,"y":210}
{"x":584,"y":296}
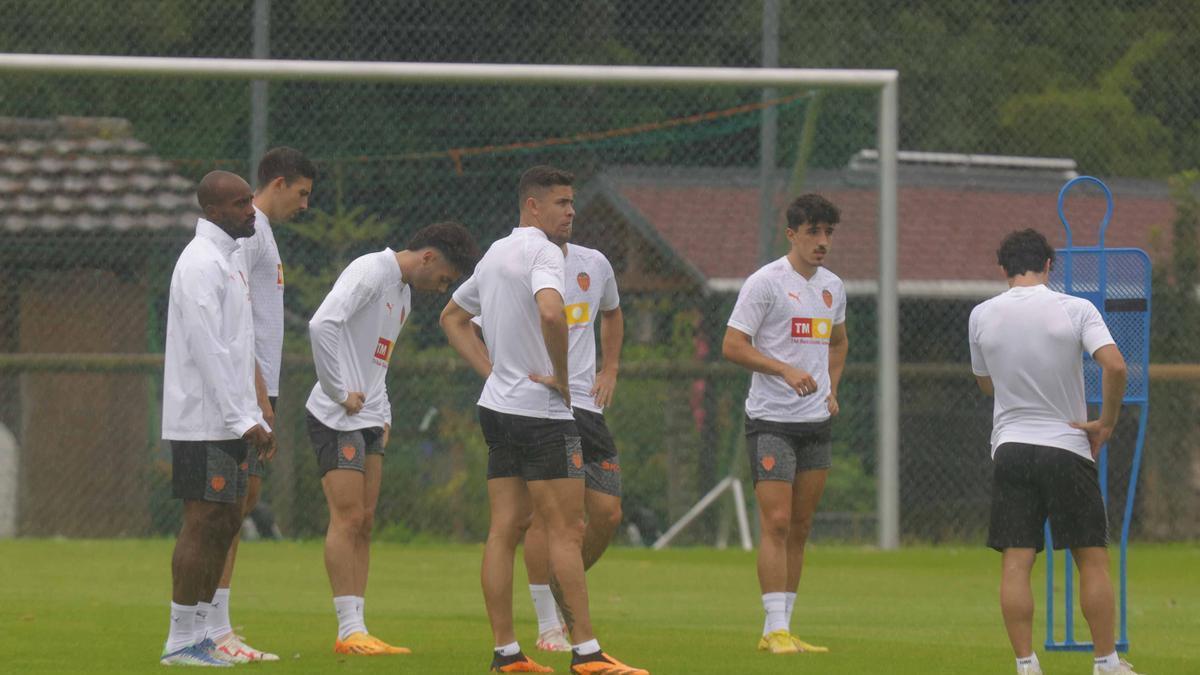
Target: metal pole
{"x":768,"y":135}
{"x":888,"y":483}
{"x":258,"y":88}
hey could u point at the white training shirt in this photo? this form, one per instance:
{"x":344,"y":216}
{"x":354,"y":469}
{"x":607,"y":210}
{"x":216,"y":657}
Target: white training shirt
{"x":502,"y":292}
{"x":353,"y":334}
{"x":265,"y":272}
{"x":1030,"y":340}
{"x":591,"y":288}
{"x":208,"y":374}
{"x":790,"y":319}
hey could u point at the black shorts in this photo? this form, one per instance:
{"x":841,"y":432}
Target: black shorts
{"x":780,"y":450}
{"x":532,"y":448}
{"x":1033,"y":482}
{"x":601,"y":466}
{"x":342,"y":449}
{"x":210,"y":471}
{"x":257,"y":467}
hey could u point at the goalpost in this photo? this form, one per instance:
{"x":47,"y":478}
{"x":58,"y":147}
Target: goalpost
{"x":883,"y":81}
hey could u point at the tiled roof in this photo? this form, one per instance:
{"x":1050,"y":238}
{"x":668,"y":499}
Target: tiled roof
{"x":949,"y":228}
{"x":86,"y":173}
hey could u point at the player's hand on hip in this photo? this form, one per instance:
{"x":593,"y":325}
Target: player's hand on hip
{"x":259,"y":438}
{"x":563,"y":388}
{"x":832,"y":404}
{"x":354,"y":402}
{"x":800,"y":381}
{"x":1097,"y":434}
{"x":606,"y":383}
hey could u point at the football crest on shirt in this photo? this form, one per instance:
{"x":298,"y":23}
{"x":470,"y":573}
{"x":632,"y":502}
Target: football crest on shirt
{"x":383,"y":350}
{"x":827,"y":297}
{"x":584,"y":281}
{"x":578,"y":314}
{"x":812,"y":329}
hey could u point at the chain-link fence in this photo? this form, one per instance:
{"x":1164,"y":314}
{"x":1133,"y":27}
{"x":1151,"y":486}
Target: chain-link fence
{"x":96,"y":179}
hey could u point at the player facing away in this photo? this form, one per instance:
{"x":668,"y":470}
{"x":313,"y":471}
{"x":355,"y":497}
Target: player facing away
{"x":1026,"y":351}
{"x":591,"y":292}
{"x":210,"y":412}
{"x":353,"y":335}
{"x":535,"y":459}
{"x":285,"y":180}
{"x":788,"y":328}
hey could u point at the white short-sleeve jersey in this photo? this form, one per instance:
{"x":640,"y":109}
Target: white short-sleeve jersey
{"x":591,"y":289}
{"x":1030,"y":340}
{"x":501,"y":292}
{"x":790,"y":319}
{"x":266,"y":298}
{"x":353,"y":334}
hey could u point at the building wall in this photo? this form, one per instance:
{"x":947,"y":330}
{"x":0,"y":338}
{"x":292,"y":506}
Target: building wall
{"x":86,"y":446}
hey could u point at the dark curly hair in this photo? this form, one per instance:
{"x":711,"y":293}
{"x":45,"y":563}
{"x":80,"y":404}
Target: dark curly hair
{"x":450,"y":239}
{"x":1024,"y":251}
{"x":812,"y":209}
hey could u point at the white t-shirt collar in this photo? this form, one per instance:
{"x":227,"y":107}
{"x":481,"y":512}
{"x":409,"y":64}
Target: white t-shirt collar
{"x":210,"y":231}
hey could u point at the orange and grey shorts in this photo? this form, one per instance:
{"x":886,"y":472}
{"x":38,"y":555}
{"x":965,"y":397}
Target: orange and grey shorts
{"x":780,"y":450}
{"x":601,"y":466}
{"x":210,"y":471}
{"x":343,"y":449}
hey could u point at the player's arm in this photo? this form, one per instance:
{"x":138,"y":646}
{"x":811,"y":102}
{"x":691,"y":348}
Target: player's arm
{"x":985,"y":384}
{"x":1112,"y":385}
{"x":554,"y":332}
{"x":738,"y":348}
{"x":203,"y":318}
{"x":460,"y":332}
{"x":839,"y":347}
{"x":612,"y":336}
{"x":325,"y":332}
{"x":264,"y":397}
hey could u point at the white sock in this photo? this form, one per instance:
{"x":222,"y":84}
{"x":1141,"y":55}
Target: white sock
{"x":585,"y":648}
{"x":218,"y":617}
{"x":360,"y":606}
{"x":203,"y":610}
{"x":544,"y":605}
{"x":1112,"y":661}
{"x":775,"y":606}
{"x":349,"y":620}
{"x":1031,"y":660}
{"x":791,"y":604}
{"x":183,"y":628}
{"x":509,"y":649}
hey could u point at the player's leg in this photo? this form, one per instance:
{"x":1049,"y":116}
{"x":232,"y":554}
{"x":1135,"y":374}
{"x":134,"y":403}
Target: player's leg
{"x":511,"y":511}
{"x":773,"y":468}
{"x":220,"y":627}
{"x":1078,"y":521}
{"x":1018,"y":515}
{"x":602,"y":480}
{"x":806,"y":495}
{"x":551,"y":636}
{"x":206,"y":477}
{"x":372,"y":479}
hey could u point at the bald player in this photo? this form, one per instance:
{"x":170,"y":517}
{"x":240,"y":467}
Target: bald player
{"x":210,"y":409}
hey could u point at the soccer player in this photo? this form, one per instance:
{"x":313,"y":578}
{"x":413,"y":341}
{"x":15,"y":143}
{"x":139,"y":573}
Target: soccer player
{"x":353,"y":334}
{"x":1026,"y":349}
{"x":591,"y":291}
{"x":210,"y":412}
{"x":788,"y":328}
{"x":285,"y":180}
{"x":535,"y":459}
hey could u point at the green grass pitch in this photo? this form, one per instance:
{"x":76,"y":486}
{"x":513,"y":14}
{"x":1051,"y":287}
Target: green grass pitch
{"x":101,"y":607}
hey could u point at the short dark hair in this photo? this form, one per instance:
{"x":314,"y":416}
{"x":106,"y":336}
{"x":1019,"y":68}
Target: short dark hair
{"x":286,"y":162}
{"x":812,"y":209}
{"x":1024,"y":251}
{"x":541,"y":177}
{"x":450,"y":239}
